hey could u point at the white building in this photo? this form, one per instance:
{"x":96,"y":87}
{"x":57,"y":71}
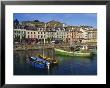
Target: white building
{"x":41,"y":35}
{"x":84,"y":32}
{"x":61,"y":34}
{"x":19,"y":33}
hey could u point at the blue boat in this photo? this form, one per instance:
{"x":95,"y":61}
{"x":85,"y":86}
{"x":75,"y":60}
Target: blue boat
{"x":39,"y":63}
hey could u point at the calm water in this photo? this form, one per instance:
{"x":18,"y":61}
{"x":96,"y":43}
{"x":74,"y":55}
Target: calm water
{"x":66,"y":66}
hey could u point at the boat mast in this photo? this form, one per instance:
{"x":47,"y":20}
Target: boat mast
{"x":70,"y":41}
{"x":52,"y":54}
{"x":43,"y":47}
{"x":44,"y":38}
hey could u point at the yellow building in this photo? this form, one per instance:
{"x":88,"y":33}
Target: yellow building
{"x":31,"y":34}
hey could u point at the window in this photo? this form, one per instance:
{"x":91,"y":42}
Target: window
{"x":31,"y":32}
{"x":34,"y":32}
{"x":28,"y":32}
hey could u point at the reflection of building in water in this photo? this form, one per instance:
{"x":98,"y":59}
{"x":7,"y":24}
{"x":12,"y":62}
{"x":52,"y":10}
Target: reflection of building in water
{"x":21,"y":56}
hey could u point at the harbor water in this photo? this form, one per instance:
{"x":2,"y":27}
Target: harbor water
{"x":66,"y":66}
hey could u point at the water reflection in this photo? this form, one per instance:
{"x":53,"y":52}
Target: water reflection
{"x":66,"y":66}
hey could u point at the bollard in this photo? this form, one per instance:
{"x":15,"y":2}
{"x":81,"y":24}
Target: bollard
{"x":48,"y":65}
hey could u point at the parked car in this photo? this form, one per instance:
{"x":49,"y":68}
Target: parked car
{"x":55,"y":42}
{"x":52,"y":41}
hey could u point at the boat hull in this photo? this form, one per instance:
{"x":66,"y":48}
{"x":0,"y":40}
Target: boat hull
{"x":42,"y":64}
{"x":75,"y":54}
{"x":52,"y":61}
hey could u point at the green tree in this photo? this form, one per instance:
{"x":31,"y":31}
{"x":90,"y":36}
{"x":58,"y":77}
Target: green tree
{"x":48,"y":39}
{"x":16,"y":23}
{"x":36,"y":21}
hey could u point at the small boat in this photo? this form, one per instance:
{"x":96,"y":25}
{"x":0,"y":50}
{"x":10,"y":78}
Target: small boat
{"x":76,"y":53}
{"x":52,"y":61}
{"x":39,"y":62}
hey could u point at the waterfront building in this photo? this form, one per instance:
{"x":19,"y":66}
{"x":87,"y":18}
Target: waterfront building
{"x":72,"y":34}
{"x":42,"y":34}
{"x":56,"y":33}
{"x":31,"y":34}
{"x":60,"y":33}
{"x":92,"y":37}
{"x":89,"y":37}
{"x":68,"y":36}
{"x":85,"y":33}
{"x":79,"y":35}
{"x":51,"y":34}
{"x":54,"y":30}
{"x":19,"y":35}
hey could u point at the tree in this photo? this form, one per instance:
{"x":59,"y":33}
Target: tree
{"x":17,"y":39}
{"x":36,"y":21}
{"x":16,"y":22}
{"x":23,"y":40}
{"x":48,"y":39}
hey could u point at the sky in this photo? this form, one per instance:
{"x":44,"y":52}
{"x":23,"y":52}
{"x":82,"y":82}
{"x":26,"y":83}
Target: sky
{"x":74,"y":19}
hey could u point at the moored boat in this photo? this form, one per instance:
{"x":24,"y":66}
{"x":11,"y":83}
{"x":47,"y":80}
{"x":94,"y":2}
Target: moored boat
{"x":76,"y":53}
{"x":39,"y":62}
{"x":52,"y":61}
